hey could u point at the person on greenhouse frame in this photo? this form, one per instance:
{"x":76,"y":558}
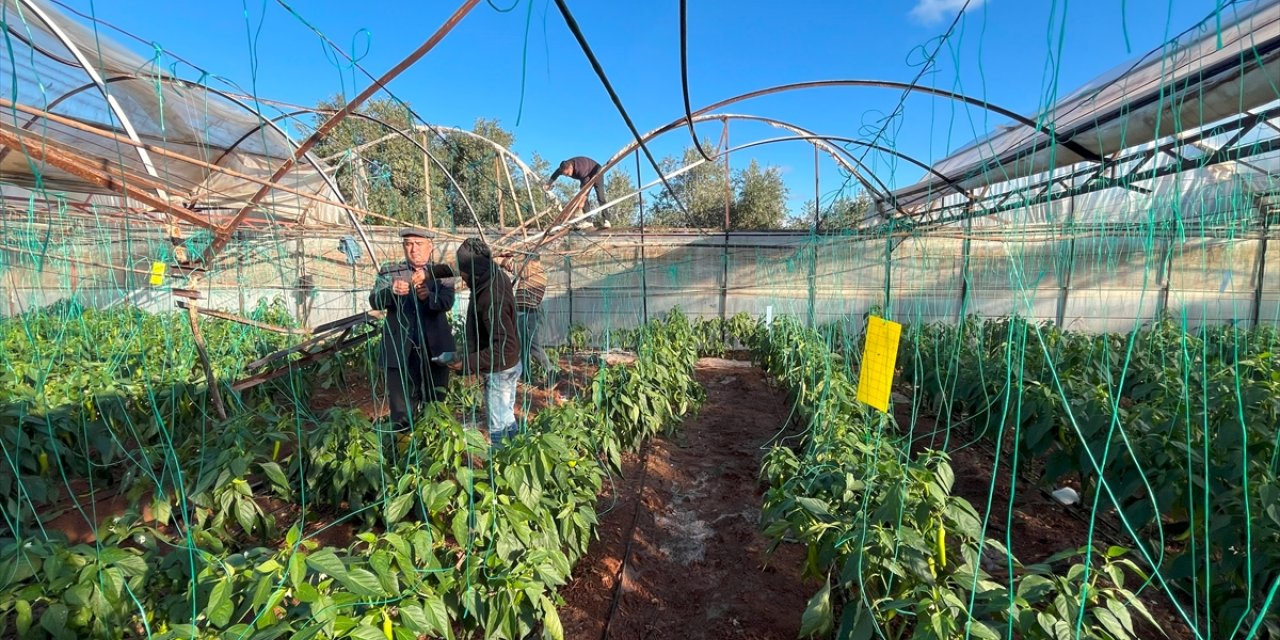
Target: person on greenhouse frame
{"x":583,"y":169}
{"x":416,"y":328}
{"x":531,"y":285}
{"x":492,"y":339}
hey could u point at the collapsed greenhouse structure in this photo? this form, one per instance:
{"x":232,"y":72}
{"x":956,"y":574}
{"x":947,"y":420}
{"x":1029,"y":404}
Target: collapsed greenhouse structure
{"x":1088,"y":295}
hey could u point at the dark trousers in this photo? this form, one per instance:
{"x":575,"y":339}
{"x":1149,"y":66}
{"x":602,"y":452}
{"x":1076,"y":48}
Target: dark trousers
{"x":417,"y":381}
{"x":603,"y":216}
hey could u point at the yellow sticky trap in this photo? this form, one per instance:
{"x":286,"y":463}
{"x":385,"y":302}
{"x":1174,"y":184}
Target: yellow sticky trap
{"x":157,"y":273}
{"x":879,"y":359}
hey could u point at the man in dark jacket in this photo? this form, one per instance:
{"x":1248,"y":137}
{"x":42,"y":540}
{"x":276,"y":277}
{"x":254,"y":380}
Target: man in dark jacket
{"x":492,"y":346}
{"x":582,"y":169}
{"x":416,"y":328}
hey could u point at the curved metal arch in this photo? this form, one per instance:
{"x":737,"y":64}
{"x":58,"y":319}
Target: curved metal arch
{"x":465,"y":200}
{"x":102,"y":86}
{"x":436,"y":128}
{"x":817,"y":84}
{"x":861,"y":143}
{"x":812,"y":138}
{"x":818,"y":140}
{"x":433,"y":128}
{"x":1065,"y":141}
{"x":840,"y":155}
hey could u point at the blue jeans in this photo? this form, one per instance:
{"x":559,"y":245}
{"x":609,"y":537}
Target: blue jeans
{"x":500,"y":404}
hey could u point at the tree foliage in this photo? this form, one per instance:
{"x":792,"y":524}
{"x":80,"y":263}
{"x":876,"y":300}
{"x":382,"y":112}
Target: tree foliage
{"x":756,"y":196}
{"x":394,"y":178}
{"x":844,"y":213}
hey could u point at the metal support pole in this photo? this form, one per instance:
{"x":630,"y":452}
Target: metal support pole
{"x":813,"y":246}
{"x":644,"y":264}
{"x":568,"y":268}
{"x":1261,"y":275}
{"x":1162,"y":275}
{"x":963,"y":305}
{"x":724,"y":253}
{"x":1064,"y":287}
{"x":888,"y":269}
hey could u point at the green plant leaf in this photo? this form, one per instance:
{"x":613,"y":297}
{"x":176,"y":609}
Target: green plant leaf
{"x":1137,"y":605}
{"x":1121,"y":613}
{"x":856,"y":623}
{"x":460,"y":529}
{"x":246,"y":512}
{"x":220,"y":607}
{"x":945,"y":477}
{"x":413,"y":617}
{"x":980,"y":630}
{"x":161,"y":509}
{"x":817,"y":615}
{"x":275,"y":475}
{"x":306,"y":593}
{"x":438,"y":616}
{"x":113,"y":583}
{"x":367,"y":632}
{"x":1110,"y":623}
{"x":551,"y":627}
{"x":398,"y":507}
{"x":362,"y":583}
{"x":813,"y":505}
{"x":1034,"y":588}
{"x":327,"y":562}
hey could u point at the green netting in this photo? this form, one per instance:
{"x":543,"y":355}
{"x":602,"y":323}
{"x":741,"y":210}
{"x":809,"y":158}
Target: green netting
{"x":1089,"y":301}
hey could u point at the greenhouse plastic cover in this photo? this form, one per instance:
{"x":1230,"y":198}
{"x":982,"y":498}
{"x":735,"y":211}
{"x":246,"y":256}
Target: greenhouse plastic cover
{"x":58,"y":65}
{"x":1182,"y":87}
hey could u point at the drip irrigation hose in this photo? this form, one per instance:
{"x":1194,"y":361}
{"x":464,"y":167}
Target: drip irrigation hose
{"x":626,"y":553}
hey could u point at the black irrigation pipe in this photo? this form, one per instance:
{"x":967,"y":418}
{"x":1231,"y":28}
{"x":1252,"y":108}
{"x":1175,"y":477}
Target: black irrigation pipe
{"x":626,"y":554}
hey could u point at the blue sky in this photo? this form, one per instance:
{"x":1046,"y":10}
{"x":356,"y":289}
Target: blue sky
{"x":1020,"y":54}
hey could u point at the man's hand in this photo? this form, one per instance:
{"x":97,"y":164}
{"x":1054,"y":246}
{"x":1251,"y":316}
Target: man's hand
{"x":419,"y":277}
{"x":400,"y":287}
{"x":449,"y":359}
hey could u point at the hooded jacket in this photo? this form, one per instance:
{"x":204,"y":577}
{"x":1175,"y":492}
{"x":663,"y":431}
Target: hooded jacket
{"x":492,"y":339}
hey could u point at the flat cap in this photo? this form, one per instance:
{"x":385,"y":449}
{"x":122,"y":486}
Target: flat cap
{"x":410,"y":232}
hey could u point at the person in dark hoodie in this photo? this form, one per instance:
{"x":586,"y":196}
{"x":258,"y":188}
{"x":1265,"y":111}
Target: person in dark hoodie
{"x":492,"y":338}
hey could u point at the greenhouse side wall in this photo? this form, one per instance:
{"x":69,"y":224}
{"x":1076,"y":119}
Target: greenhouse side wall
{"x":1097,"y":281}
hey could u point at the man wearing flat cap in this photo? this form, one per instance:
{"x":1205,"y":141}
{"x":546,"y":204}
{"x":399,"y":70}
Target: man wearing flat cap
{"x":416,"y":328}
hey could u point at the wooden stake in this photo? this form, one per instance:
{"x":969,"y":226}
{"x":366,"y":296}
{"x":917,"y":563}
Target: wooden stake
{"x":502,"y":215}
{"x":426,"y":180}
{"x":214,"y":392}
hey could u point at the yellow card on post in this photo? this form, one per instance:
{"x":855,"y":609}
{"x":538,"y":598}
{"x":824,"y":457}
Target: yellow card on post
{"x":879,"y":361}
{"x":157,"y":273}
